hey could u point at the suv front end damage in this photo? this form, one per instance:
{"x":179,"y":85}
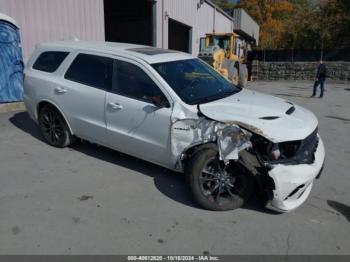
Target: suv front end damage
{"x":285,"y":170}
{"x":284,"y":163}
{"x":293,"y":182}
{"x":286,"y":152}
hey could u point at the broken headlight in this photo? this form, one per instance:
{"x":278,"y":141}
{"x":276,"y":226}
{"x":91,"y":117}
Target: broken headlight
{"x":290,"y":153}
{"x":269,"y":151}
{"x":289,"y":149}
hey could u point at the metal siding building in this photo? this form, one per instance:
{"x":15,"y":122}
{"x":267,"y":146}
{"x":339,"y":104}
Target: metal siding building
{"x":245,"y":25}
{"x":52,"y":20}
{"x":201,"y":18}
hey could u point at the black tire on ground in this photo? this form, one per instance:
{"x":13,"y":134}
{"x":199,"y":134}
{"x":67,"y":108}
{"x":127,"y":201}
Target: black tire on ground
{"x":242,"y":183}
{"x":54,"y":128}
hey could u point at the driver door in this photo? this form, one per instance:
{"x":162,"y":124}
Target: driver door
{"x":135,"y":125}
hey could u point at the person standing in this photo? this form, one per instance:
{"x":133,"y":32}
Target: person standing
{"x":320,"y":79}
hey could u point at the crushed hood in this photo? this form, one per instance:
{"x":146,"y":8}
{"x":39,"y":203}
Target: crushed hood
{"x":274,"y":118}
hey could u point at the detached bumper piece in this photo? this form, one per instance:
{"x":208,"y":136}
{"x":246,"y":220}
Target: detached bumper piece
{"x":293,"y":182}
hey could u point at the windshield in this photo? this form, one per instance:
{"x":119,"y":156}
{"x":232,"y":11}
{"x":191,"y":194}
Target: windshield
{"x":222,"y":41}
{"x":194,"y":81}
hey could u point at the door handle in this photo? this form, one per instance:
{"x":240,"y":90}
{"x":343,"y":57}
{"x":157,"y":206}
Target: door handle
{"x":60,"y":90}
{"x":115,"y":106}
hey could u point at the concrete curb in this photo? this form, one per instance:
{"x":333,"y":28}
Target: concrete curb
{"x":9,"y":107}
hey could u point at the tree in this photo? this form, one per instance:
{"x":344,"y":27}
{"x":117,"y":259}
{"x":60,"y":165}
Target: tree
{"x":302,"y":26}
{"x":271,"y":15}
{"x":335,"y":23}
{"x":298,"y":24}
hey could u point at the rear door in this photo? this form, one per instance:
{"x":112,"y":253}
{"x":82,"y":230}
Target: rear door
{"x":82,"y":94}
{"x":135,"y":125}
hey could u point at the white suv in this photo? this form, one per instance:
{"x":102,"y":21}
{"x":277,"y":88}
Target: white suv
{"x":174,"y":110}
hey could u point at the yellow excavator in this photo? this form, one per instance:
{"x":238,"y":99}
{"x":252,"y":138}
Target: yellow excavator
{"x":220,"y":50}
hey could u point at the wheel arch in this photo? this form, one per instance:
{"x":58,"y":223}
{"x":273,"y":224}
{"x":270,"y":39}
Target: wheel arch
{"x":193,"y":149}
{"x":44,"y":102}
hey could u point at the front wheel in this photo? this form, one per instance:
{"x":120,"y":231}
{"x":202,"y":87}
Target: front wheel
{"x":216,"y":186}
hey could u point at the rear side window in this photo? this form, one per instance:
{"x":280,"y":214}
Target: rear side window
{"x":91,"y":70}
{"x":49,"y":61}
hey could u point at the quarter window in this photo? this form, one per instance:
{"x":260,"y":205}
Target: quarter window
{"x":49,"y":61}
{"x":91,"y":70}
{"x":133,"y":82}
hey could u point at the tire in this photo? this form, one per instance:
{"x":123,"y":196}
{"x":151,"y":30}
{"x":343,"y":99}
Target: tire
{"x":54,"y":128}
{"x":238,"y":187}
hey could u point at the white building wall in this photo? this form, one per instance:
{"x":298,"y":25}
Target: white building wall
{"x":202,"y":20}
{"x":204,"y":24}
{"x":52,"y":20}
{"x":222,"y":23}
{"x":243,"y":21}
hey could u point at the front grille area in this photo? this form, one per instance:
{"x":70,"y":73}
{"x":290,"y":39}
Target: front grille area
{"x":298,"y":152}
{"x":289,"y":149}
{"x":306,"y":152}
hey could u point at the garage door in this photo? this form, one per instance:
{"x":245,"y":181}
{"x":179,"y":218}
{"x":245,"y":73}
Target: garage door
{"x":179,"y":36}
{"x":11,"y":63}
{"x":129,"y":21}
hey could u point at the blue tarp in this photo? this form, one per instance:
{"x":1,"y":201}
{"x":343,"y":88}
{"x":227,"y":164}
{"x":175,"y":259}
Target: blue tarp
{"x":11,"y":64}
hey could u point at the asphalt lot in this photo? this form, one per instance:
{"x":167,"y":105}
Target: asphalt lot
{"x":91,"y":200}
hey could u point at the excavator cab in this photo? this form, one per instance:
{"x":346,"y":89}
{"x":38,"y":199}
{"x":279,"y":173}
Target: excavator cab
{"x":225,"y":41}
{"x":220,"y":51}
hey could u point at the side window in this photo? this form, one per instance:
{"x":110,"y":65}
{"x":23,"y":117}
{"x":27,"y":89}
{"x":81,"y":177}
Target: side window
{"x":49,"y":61}
{"x":91,"y":70}
{"x":133,"y":82}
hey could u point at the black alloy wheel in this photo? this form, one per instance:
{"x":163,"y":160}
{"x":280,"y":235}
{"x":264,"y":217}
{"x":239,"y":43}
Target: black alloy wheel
{"x":217,"y":186}
{"x":53,"y":127}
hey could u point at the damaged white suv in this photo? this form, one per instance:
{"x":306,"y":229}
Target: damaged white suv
{"x":174,"y":110}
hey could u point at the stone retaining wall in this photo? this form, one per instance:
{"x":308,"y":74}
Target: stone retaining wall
{"x":337,"y":71}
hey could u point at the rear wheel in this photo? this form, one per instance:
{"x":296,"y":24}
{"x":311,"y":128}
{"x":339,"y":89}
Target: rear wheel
{"x":54,"y":128}
{"x":216,"y":186}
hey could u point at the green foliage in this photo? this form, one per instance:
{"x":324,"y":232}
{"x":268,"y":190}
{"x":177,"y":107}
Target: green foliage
{"x":298,"y":24}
